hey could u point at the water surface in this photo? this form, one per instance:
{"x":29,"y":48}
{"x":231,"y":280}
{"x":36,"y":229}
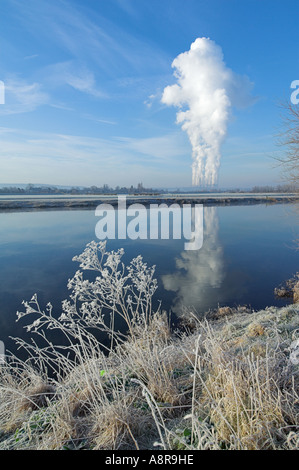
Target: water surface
{"x":246,"y":253}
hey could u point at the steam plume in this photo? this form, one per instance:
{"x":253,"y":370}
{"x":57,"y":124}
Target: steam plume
{"x":204,"y":93}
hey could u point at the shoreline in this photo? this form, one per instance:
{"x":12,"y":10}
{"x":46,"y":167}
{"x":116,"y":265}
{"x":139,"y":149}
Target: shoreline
{"x":257,"y":363}
{"x":17,"y":203}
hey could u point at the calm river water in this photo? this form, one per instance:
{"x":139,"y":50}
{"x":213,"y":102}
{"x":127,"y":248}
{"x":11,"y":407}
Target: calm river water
{"x":247,"y":251}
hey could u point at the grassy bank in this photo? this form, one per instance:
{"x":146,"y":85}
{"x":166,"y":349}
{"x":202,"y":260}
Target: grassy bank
{"x":226,"y":381}
{"x":64,"y":202}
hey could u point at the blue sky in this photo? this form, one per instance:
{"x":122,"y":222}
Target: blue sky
{"x":84,"y":81}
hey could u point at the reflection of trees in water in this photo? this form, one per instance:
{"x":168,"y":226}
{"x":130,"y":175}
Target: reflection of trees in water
{"x":199,"y":272}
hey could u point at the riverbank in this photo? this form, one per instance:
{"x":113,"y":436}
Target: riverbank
{"x":227,"y":383}
{"x":25,"y":203}
{"x":224,"y":380}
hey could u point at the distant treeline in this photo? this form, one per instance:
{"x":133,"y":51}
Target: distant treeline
{"x":106,"y":189}
{"x":285,"y":188}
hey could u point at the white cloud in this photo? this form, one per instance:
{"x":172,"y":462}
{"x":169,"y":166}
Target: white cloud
{"x":22,"y":96}
{"x":30,"y":57}
{"x":54,"y":158}
{"x":90,"y":39}
{"x":75,"y":75}
{"x":165,"y":148}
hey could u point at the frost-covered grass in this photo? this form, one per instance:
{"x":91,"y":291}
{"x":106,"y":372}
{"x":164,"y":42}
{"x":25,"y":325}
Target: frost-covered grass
{"x":228,"y":381}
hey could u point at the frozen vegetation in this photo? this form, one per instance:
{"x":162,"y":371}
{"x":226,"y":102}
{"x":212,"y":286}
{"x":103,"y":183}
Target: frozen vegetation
{"x":90,"y":201}
{"x":226,"y":381}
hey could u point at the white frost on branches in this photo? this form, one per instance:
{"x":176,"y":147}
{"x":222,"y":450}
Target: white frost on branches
{"x":116,"y":290}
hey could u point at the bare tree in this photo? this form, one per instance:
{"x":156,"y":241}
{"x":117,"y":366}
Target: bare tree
{"x":289,"y":139}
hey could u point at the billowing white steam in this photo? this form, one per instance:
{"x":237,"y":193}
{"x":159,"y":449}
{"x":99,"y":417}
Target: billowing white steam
{"x":205,"y":92}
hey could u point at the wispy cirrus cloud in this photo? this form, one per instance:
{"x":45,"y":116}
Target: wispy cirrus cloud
{"x":73,"y":74}
{"x":23,"y":96}
{"x":48,"y":157}
{"x":99,"y":120}
{"x":90,"y":37}
{"x":31,"y":57}
{"x":26,"y":95}
{"x":97,"y":57}
{"x":128,"y":8}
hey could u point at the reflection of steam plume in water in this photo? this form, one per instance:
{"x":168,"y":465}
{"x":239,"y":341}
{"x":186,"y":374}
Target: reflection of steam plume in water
{"x":199,"y":272}
{"x":208,"y":89}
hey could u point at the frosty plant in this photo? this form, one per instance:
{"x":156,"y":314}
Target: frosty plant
{"x":225,"y":382}
{"x":117,"y":290}
{"x":2,"y":352}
